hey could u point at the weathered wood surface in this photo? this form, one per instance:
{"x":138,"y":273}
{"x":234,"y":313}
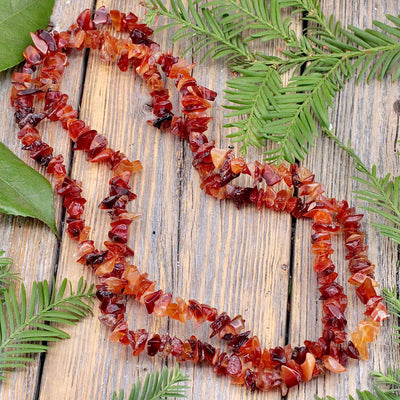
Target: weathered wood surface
{"x":241,"y":262}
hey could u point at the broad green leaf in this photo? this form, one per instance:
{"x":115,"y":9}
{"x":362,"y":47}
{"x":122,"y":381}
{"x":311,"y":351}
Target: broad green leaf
{"x":17,"y":19}
{"x":23,"y":191}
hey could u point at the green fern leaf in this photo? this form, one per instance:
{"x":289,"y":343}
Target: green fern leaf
{"x":391,"y":379}
{"x":199,"y":24}
{"x":393,"y":302}
{"x":313,"y":13}
{"x":305,"y":99}
{"x":156,"y":386}
{"x":374,"y":54}
{"x":367,"y":395}
{"x":23,"y":328}
{"x":332,"y":55}
{"x":7,"y":276}
{"x":382,"y":193}
{"x":250,"y":96}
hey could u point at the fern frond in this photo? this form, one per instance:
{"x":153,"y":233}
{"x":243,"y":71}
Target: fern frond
{"x":374,"y":53}
{"x":250,"y":95}
{"x":384,"y":44}
{"x":391,"y":378}
{"x":393,"y":302}
{"x":313,"y":13}
{"x":380,"y":395}
{"x":367,"y":395}
{"x":200,"y":26}
{"x":381,"y":193}
{"x":25,"y":326}
{"x":332,"y":56}
{"x":156,"y":386}
{"x":305,"y":99}
{"x":263,"y":19}
{"x":7,"y":276}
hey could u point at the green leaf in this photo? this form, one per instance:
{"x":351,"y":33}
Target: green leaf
{"x":391,"y":378}
{"x":393,"y":302}
{"x":23,"y":191}
{"x":22,"y":334}
{"x":6,"y":275}
{"x":204,"y":28}
{"x":157,"y":386}
{"x":331,"y":55}
{"x":382,"y":194}
{"x":250,"y":95}
{"x":17,"y":19}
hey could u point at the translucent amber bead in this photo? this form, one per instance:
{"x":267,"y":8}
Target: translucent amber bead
{"x":366,"y":333}
{"x":333,"y":365}
{"x":308,"y":367}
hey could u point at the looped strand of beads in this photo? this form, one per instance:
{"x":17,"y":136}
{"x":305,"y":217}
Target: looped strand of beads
{"x":245,"y":361}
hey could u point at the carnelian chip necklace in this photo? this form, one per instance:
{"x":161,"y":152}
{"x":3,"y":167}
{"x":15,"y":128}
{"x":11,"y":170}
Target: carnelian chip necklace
{"x":243,"y":358}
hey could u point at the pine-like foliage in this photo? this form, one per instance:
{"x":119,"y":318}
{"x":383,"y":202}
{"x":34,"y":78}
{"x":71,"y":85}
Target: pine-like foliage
{"x":393,"y":301}
{"x":201,"y":29}
{"x":157,"y":386}
{"x":261,"y":18}
{"x":381,"y":194}
{"x":7,"y":276}
{"x":331,"y":56}
{"x":262,"y":85}
{"x":391,"y":379}
{"x":366,"y":395}
{"x":26,"y":327}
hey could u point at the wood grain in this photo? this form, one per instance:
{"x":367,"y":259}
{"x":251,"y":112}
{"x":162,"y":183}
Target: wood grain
{"x":31,"y":245}
{"x":364,"y":115}
{"x":187,"y":242}
{"x":241,"y":262}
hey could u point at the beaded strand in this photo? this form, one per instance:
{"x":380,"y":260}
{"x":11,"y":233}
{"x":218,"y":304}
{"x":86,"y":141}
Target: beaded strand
{"x":245,"y":361}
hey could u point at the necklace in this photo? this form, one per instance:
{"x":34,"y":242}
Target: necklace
{"x":243,"y":358}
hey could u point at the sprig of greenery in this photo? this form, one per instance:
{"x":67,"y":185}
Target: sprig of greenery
{"x":366,"y":395}
{"x":263,"y":84}
{"x":156,"y":386}
{"x":332,"y":55}
{"x":391,"y":378}
{"x":7,"y":276}
{"x":301,"y":104}
{"x":264,"y":18}
{"x":290,"y":115}
{"x":382,"y":194}
{"x":393,"y":302}
{"x":201,"y":29}
{"x":25,"y":326}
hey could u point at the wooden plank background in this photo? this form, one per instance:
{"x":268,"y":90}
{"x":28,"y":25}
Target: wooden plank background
{"x":241,"y":262}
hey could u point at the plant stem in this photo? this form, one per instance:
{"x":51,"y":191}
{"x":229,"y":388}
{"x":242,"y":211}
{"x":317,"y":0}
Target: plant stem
{"x":362,"y":168}
{"x":277,"y":62}
{"x":38,"y":316}
{"x":206,"y":32}
{"x":284,"y":36}
{"x":313,"y":10}
{"x":305,"y":104}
